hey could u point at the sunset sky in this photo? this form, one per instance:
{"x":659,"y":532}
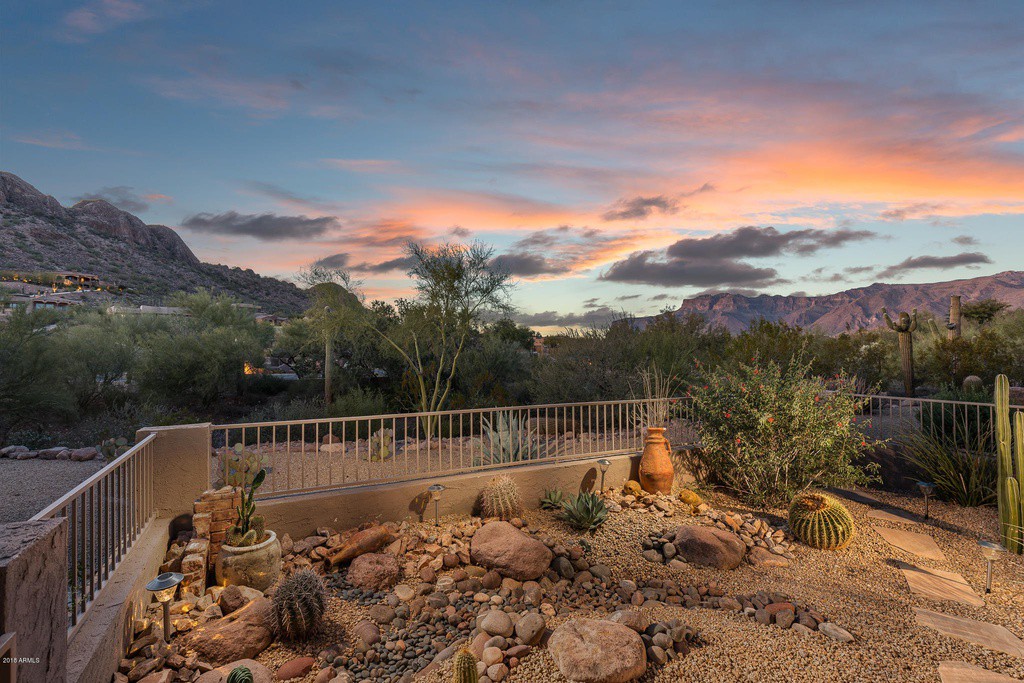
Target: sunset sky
{"x":620,"y":156}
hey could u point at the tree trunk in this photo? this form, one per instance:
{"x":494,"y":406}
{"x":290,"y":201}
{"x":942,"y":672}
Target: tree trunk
{"x":907,"y":361}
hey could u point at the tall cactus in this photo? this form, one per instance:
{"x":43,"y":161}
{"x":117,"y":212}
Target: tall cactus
{"x":955,"y":324}
{"x":905,"y":326}
{"x":1011,"y":469}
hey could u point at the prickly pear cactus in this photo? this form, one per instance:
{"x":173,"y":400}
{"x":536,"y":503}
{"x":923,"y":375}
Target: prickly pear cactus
{"x":382,"y":445}
{"x":820,"y":521}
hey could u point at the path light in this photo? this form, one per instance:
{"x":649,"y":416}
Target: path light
{"x":927,"y":489}
{"x":604,"y":464}
{"x":163,"y":588}
{"x":991,"y":552}
{"x":435,"y":495}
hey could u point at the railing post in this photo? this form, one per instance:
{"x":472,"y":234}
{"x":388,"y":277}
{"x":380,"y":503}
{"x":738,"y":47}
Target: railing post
{"x":180,"y":467}
{"x":34,"y":596}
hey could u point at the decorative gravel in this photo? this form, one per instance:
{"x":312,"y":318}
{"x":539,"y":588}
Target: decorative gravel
{"x":28,"y":486}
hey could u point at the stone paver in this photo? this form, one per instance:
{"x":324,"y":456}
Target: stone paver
{"x":936,"y":584}
{"x":992,"y":636}
{"x":894,"y":515}
{"x":921,"y":545}
{"x":962,"y":672}
{"x":862,"y":497}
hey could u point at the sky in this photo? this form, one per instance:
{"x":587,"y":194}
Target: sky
{"x":618,"y":156}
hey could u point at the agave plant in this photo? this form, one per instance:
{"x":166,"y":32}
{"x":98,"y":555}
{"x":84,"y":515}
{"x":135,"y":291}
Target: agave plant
{"x":507,"y":439}
{"x":552,"y":499}
{"x":585,"y":512}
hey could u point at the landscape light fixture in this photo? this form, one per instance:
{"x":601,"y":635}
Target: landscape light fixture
{"x":435,"y":495}
{"x":927,"y":489}
{"x":991,"y":552}
{"x":604,"y":464}
{"x":163,"y":588}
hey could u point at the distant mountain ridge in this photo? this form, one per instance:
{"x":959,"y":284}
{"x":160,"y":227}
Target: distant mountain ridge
{"x":852,"y":309}
{"x":94,"y":236}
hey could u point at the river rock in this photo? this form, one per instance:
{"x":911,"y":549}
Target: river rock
{"x":374,"y":571}
{"x":598,"y":651}
{"x":709,"y":546}
{"x":506,"y":549}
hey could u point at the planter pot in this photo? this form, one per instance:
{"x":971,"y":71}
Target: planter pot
{"x":256,"y":566}
{"x":656,"y":470}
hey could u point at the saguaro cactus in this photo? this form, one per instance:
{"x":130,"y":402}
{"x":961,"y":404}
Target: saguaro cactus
{"x":1010,"y":444}
{"x":905,"y":326}
{"x":954,"y":325}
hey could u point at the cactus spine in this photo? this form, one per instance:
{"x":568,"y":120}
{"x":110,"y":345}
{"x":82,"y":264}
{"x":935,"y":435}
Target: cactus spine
{"x":240,"y":674}
{"x":299,"y":604}
{"x":464,"y":667}
{"x":820,"y":521}
{"x":500,"y":498}
{"x":905,"y":326}
{"x":1010,"y":444}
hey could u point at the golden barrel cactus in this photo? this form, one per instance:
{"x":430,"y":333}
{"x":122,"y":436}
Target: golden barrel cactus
{"x":464,"y":667}
{"x":821,"y":521}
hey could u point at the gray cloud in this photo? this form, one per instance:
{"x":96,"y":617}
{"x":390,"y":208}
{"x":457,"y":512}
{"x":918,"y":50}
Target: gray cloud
{"x":121,"y":196}
{"x":597,"y":317}
{"x":627,"y":297}
{"x":715,"y":261}
{"x":639,"y":208}
{"x":524,"y":264}
{"x":967,"y":258}
{"x":965,"y":240}
{"x":268,"y":227}
{"x":460,"y":231}
{"x":334,"y":261}
{"x":400,"y":263}
{"x":909,"y":212}
{"x":660,"y":297}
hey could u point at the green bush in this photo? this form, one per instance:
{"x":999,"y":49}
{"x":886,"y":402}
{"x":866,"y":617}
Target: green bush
{"x":964,"y":473}
{"x":768,"y":434}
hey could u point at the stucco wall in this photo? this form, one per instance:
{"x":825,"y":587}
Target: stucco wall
{"x":182,"y":466}
{"x":33,"y":596}
{"x":298,"y":516}
{"x":103,"y":638}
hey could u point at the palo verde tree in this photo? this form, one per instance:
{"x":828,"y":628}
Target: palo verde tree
{"x":457,"y":288}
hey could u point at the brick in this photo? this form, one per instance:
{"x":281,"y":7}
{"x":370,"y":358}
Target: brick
{"x":223,"y":515}
{"x":197,"y":546}
{"x":193,"y":563}
{"x":201,"y":524}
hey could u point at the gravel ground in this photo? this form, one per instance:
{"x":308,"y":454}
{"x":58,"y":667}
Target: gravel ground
{"x":28,"y":486}
{"x":859,"y":588}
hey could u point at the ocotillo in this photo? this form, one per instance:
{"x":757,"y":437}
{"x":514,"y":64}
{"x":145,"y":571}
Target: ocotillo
{"x":904,"y":328}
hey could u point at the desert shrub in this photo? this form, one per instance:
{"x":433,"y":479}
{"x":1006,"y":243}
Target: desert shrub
{"x":357,"y":402}
{"x":768,"y":434}
{"x":964,"y":426}
{"x":963,"y":470}
{"x":585,"y":512}
{"x":507,"y":438}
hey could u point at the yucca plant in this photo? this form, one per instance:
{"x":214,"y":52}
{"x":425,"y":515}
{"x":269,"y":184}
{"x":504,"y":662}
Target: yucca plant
{"x":962,"y":468}
{"x":552,"y":499}
{"x":507,"y":439}
{"x":585,"y":512}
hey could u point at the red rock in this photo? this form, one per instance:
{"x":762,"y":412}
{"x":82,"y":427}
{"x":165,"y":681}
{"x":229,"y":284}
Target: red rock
{"x":260,"y":673}
{"x":506,"y":549}
{"x":597,"y":651}
{"x":296,"y":668}
{"x":709,"y":546}
{"x":243,"y":634}
{"x":374,"y":571}
{"x":367,"y":541}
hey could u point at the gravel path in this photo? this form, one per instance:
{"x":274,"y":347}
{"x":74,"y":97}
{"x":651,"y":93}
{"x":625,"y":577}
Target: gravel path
{"x":28,"y":486}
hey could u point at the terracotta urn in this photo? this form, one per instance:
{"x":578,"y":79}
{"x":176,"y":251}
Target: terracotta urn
{"x":256,"y":566}
{"x":656,"y":470}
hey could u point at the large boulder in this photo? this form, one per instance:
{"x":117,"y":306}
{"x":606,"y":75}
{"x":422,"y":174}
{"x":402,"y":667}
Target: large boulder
{"x":374,"y":571}
{"x":510,"y":552}
{"x":366,"y":541}
{"x":243,"y":634}
{"x":709,"y":546}
{"x":598,"y":651}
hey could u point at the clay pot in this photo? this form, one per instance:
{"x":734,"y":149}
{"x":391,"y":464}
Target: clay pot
{"x":656,"y":470}
{"x":256,"y":566}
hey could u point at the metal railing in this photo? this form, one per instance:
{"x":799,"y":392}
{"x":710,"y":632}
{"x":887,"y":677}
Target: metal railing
{"x":106,"y":513}
{"x":323,"y":454}
{"x":964,"y":423}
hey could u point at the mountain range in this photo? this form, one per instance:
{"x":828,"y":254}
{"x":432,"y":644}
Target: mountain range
{"x":94,"y":236}
{"x":853,"y":309}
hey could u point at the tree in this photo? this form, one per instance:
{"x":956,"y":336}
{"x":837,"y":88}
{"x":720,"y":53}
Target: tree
{"x":983,"y":311}
{"x":456,"y":287}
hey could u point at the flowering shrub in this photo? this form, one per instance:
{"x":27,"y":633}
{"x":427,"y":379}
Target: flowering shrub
{"x":769,"y":434}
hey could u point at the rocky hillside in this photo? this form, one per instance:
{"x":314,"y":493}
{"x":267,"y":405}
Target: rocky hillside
{"x":854,"y":308}
{"x":94,"y":236}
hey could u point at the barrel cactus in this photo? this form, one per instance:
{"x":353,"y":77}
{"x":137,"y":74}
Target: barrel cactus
{"x":299,"y":604}
{"x":464,"y":667}
{"x":820,"y":521}
{"x":240,"y":674}
{"x":973,"y":384}
{"x":500,"y":498}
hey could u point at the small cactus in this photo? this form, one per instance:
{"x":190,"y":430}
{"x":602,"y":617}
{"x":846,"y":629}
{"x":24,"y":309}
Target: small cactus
{"x":632,"y":488}
{"x":240,"y":674}
{"x":973,"y":384}
{"x":820,"y":521}
{"x":500,"y":498}
{"x":382,"y":444}
{"x":464,"y":667}
{"x":299,"y":604}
